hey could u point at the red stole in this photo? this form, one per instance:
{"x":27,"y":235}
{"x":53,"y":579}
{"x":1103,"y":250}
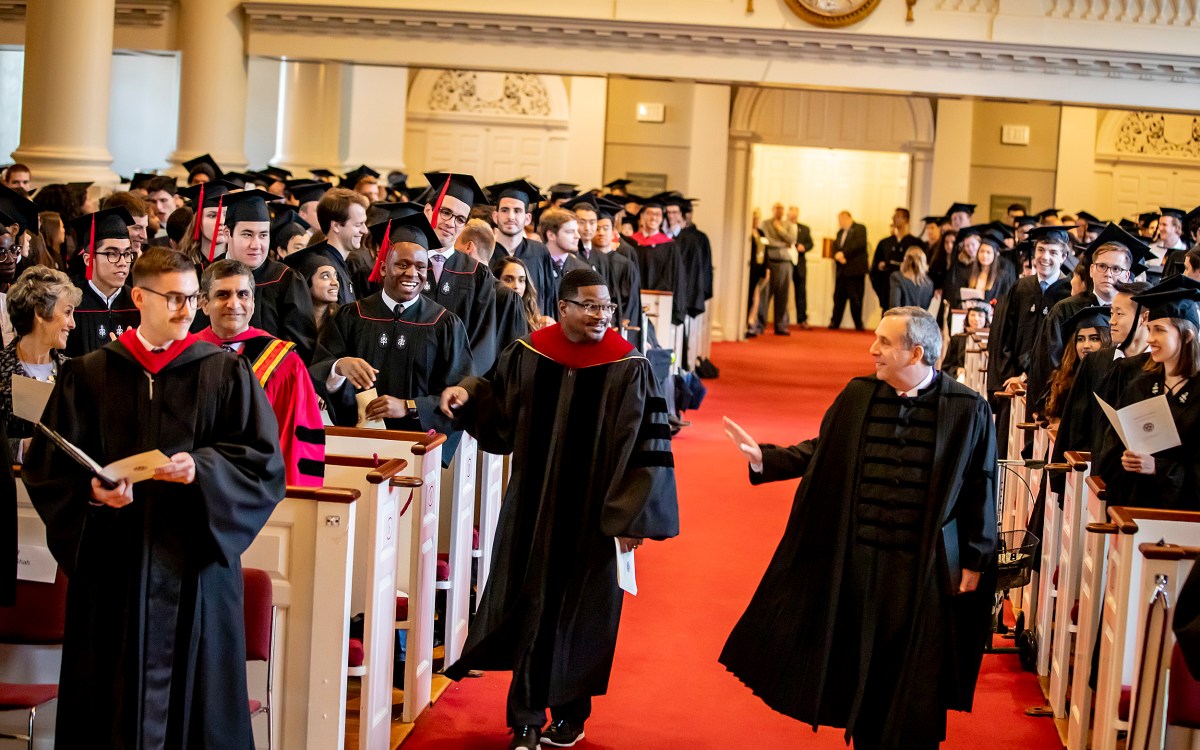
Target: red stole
{"x":552,"y":343}
{"x":153,"y":362}
{"x":658,"y":238}
{"x":250,"y":333}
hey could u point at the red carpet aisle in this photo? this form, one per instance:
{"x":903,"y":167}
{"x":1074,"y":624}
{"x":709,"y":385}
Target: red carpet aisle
{"x":667,"y":690}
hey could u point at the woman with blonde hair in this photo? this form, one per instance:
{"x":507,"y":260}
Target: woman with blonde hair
{"x":911,"y":285}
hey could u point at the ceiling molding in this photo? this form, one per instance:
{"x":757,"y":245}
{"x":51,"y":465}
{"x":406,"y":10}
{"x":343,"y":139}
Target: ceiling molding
{"x":143,"y":13}
{"x":742,"y":42}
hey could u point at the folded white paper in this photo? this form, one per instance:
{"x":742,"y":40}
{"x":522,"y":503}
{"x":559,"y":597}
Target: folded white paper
{"x":1144,"y":427}
{"x":363,"y":398}
{"x":29,"y":397}
{"x":966,"y":293}
{"x":136,"y":468}
{"x":626,"y":574}
{"x":35,"y":563}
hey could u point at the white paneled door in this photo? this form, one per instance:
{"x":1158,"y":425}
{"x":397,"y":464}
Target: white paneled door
{"x":494,"y":153}
{"x":822,"y":182}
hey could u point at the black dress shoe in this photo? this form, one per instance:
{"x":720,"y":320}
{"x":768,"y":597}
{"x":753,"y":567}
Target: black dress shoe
{"x":562,"y":733}
{"x":782,"y":332}
{"x":525,"y":737}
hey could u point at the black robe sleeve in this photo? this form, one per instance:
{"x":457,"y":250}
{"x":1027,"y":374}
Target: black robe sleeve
{"x":977,"y":520}
{"x":1187,"y":621}
{"x":332,"y":346}
{"x":481,"y":333}
{"x":8,"y":521}
{"x":510,"y":319}
{"x":295,"y":310}
{"x":451,"y":366}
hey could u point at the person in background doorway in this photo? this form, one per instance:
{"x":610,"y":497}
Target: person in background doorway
{"x":781,"y":236}
{"x":851,"y":269}
{"x":804,"y":243}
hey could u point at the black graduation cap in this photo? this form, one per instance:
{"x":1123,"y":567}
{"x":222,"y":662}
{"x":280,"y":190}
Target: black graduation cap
{"x":285,"y":224}
{"x":306,"y":191}
{"x":1096,"y":316}
{"x":279,"y":174}
{"x":1189,"y":217}
{"x":1178,"y":281}
{"x":353,"y":176}
{"x":1112,"y":233}
{"x":984,"y":232}
{"x":203,"y":161}
{"x":1089,"y":218}
{"x":18,"y":209}
{"x":322,"y":174}
{"x":1051,"y":234}
{"x":248,"y":205}
{"x":212,"y":192}
{"x":1046,"y":213}
{"x":522,"y":190}
{"x":1004,"y":230}
{"x":412,"y":228}
{"x":1096,"y":226}
{"x":140,"y":179}
{"x":560,"y":190}
{"x":1026,"y":220}
{"x":461,"y":186}
{"x":379,"y":213}
{"x":397,"y":180}
{"x":587,"y":200}
{"x":1146,"y":217}
{"x":109,"y":224}
{"x":307,"y":262}
{"x":244,"y":179}
{"x":1177,"y":213}
{"x":1171,"y":303}
{"x":933,"y":219}
{"x":618,"y":184}
{"x":80,"y":189}
{"x":607,"y":208}
{"x":1128,"y":225}
{"x":967,"y":208}
{"x":280,"y":211}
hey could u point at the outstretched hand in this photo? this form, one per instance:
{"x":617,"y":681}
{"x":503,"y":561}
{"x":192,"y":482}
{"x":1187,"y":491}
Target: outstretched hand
{"x":453,"y":399}
{"x":746,"y":444}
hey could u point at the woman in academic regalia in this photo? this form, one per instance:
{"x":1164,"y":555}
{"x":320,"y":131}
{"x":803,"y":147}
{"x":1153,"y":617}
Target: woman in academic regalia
{"x":1169,"y":478}
{"x":979,"y":318}
{"x":318,"y":272}
{"x":208,"y":201}
{"x":1089,"y":332}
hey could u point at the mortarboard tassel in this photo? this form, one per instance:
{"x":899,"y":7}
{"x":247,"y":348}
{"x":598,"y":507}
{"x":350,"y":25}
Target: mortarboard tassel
{"x":437,"y":205}
{"x":91,"y":248}
{"x":377,"y":271}
{"x":212,"y":247}
{"x":199,"y":214}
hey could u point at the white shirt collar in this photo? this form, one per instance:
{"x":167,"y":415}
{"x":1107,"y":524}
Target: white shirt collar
{"x":151,"y":347}
{"x":391,"y":303}
{"x":924,"y":383}
{"x":445,"y":252}
{"x":107,"y":300}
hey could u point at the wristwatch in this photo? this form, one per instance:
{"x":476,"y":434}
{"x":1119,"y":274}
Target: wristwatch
{"x":411,"y":406}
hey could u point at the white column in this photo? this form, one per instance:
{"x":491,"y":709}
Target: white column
{"x":1075,"y":179}
{"x":920,"y":183}
{"x":376,"y":116}
{"x":212,"y":82}
{"x":585,"y":130}
{"x":952,"y":154}
{"x":708,"y":175}
{"x":65,"y":99}
{"x":731,"y":284}
{"x":310,"y":106}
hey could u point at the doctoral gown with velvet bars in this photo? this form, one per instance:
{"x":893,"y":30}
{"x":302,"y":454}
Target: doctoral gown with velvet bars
{"x":797,"y":646}
{"x":591,"y":461}
{"x":155,"y":655}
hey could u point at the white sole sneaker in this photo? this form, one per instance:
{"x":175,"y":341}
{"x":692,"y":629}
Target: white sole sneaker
{"x":551,"y":743}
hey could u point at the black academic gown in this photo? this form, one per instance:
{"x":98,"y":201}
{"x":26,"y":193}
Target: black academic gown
{"x":346,"y":288}
{"x":8,"y":520}
{"x":418,"y":356}
{"x":95,"y":320}
{"x":1187,"y":621}
{"x":1015,"y":326}
{"x":797,"y":647}
{"x":696,"y":253}
{"x":890,"y":254}
{"x":468,"y":289}
{"x":661,"y":268}
{"x":283,"y":306}
{"x":625,"y":284}
{"x":536,"y":258}
{"x":511,"y":323}
{"x":1175,"y":483}
{"x":154,"y":654}
{"x":1047,"y":352}
{"x":591,"y":461}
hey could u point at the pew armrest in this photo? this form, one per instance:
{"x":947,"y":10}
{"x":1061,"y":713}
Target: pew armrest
{"x":1078,"y":460}
{"x":1097,"y":487}
{"x":411,"y":482}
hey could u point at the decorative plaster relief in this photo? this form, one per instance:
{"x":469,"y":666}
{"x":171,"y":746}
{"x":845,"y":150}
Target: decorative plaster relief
{"x":521,"y":94}
{"x":1159,"y":134}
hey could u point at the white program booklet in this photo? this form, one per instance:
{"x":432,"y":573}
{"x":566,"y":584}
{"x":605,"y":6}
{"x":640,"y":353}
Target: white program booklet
{"x":363,"y":398}
{"x":134,"y":468}
{"x":29,"y":397}
{"x":1144,"y":427}
{"x":626,"y":574}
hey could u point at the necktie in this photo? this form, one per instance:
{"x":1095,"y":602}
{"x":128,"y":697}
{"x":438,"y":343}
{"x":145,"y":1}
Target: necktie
{"x":585,"y":253}
{"x":397,"y":311}
{"x":438,"y":261}
{"x":558,"y":265}
{"x":229,"y":348}
{"x":159,"y":350}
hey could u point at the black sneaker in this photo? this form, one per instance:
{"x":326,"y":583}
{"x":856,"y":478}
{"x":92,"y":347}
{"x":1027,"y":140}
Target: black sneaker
{"x":562,"y":733}
{"x":525,"y":737}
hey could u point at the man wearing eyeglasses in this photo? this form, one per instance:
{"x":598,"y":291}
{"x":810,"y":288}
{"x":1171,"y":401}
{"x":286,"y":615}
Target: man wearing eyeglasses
{"x":1114,"y":257}
{"x":342,"y":216}
{"x":578,"y":408}
{"x":154,"y":649}
{"x":457,"y":281}
{"x":107,"y":309}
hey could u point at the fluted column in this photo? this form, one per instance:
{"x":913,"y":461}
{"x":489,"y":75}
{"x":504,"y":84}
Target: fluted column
{"x":65,"y":99}
{"x":310,"y":109}
{"x":212,"y":82}
{"x":376,"y":117}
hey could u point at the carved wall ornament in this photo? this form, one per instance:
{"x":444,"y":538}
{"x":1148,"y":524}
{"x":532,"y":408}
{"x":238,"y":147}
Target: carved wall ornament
{"x":521,"y":94}
{"x":1150,"y":133}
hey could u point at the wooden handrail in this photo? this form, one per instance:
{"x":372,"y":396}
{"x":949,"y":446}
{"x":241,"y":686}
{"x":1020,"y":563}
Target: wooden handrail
{"x":1003,"y":394}
{"x":407,"y":482}
{"x":1053,"y":433}
{"x":380,"y":469}
{"x":1078,"y":460}
{"x":1162,"y":551}
{"x":1028,"y":426}
{"x":1101,"y":528}
{"x":1057,"y":467}
{"x":323,"y":494}
{"x":423,"y":441}
{"x":1097,"y":487}
{"x":1126,"y":518}
{"x":17,"y":470}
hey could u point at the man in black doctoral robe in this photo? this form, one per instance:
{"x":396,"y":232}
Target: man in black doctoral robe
{"x":282,"y":301}
{"x":154,"y":654}
{"x":106,"y":309}
{"x":876,"y":607}
{"x":403,"y":344}
{"x":577,"y":407}
{"x":514,"y":202}
{"x":457,"y":281}
{"x":660,"y":264}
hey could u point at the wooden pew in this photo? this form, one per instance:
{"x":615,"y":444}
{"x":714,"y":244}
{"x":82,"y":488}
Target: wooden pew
{"x":1165,"y":567}
{"x":1091,"y":598}
{"x":307,"y":547}
{"x":1070,"y":567}
{"x":1123,"y":604}
{"x":658,"y":306}
{"x":490,"y":493}
{"x":1041,"y":594}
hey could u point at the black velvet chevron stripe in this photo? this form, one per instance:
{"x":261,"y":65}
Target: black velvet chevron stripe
{"x":309,"y":435}
{"x":656,"y":403}
{"x":651,"y":459}
{"x":311,"y":468}
{"x":653,"y":431}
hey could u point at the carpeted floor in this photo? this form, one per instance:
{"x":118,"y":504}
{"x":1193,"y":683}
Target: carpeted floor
{"x":667,"y":690}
